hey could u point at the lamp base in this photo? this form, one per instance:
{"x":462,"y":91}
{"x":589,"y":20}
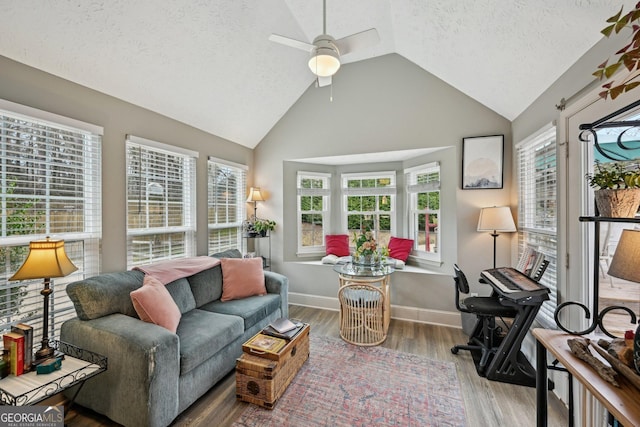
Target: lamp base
{"x":44,"y":353}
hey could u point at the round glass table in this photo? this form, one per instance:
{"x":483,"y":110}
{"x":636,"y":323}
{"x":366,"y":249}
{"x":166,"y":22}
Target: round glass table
{"x":361,"y":277}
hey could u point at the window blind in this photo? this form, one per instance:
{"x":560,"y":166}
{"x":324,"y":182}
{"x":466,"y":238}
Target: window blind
{"x":160,"y":202}
{"x":50,"y":185}
{"x":226,"y":204}
{"x":537,"y":208}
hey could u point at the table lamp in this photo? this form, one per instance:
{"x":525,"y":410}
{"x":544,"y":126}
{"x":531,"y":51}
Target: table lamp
{"x":46,"y":259}
{"x":496,"y":219}
{"x":255,"y":196}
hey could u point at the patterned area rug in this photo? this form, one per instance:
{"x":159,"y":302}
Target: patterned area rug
{"x":346,"y":385}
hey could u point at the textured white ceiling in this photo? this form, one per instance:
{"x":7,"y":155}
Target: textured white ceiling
{"x":208,"y":63}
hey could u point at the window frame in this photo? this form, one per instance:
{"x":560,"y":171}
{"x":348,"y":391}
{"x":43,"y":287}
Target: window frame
{"x":240,"y":172}
{"x":325,"y":213}
{"x":530,"y":234}
{"x":413,"y":189}
{"x":78,"y":154}
{"x":388,"y":191}
{"x":187,"y":229}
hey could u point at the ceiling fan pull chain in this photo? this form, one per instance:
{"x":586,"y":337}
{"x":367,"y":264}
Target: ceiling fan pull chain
{"x":331,"y":93}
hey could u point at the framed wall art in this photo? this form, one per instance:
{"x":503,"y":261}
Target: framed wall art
{"x":482,"y":162}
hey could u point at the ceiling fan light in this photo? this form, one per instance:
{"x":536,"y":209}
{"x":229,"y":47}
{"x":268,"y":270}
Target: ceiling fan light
{"x":325,"y":62}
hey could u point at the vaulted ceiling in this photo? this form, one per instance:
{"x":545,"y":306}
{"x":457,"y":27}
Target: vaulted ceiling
{"x":209,"y":63}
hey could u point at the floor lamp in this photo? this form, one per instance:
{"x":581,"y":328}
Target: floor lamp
{"x":496,"y":219}
{"x":46,"y":259}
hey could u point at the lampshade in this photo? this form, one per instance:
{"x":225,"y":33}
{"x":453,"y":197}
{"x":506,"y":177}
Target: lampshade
{"x":46,"y":259}
{"x":324,"y":62}
{"x":496,"y":218}
{"x":255,"y":195}
{"x":624,"y":264}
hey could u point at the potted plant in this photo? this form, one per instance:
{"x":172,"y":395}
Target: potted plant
{"x":617,"y":186}
{"x":261,"y":226}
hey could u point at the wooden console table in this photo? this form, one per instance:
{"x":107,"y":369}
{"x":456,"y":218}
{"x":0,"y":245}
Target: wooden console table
{"x":622,"y":402}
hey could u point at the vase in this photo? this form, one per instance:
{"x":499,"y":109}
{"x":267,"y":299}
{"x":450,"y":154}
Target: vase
{"x":365,"y":260}
{"x":621,"y":203}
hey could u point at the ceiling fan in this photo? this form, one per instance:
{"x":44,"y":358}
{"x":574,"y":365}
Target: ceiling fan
{"x":326,"y":51}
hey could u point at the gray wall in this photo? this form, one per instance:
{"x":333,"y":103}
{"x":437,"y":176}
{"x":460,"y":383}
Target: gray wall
{"x":34,"y":88}
{"x":384,"y":104}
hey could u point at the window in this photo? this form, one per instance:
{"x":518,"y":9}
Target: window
{"x":49,"y":186}
{"x":313,"y":211}
{"x":226,"y":206}
{"x":160,"y":202}
{"x":369,"y":204}
{"x":537,"y":208}
{"x":423,"y":194}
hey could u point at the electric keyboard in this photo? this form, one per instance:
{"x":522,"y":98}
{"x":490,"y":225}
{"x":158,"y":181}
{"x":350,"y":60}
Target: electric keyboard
{"x":515,"y":286}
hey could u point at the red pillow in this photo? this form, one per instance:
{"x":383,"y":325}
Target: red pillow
{"x":337,"y":244}
{"x":241,"y":278}
{"x":400,"y":248}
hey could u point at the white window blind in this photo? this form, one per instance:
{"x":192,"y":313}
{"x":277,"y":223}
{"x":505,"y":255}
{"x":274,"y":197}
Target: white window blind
{"x":50,"y":185}
{"x":226,"y":203}
{"x":368,"y":201}
{"x":161,"y":221}
{"x":314,"y":191}
{"x":423,"y":194}
{"x":537,"y":208}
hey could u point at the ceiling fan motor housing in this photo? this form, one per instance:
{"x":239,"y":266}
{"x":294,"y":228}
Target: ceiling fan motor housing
{"x":325,"y":58}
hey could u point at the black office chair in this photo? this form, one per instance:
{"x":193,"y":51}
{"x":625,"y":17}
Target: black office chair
{"x":486,"y":310}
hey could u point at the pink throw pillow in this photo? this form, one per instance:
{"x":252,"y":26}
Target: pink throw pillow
{"x":154,"y":304}
{"x":241,"y":278}
{"x":400,"y":248}
{"x":337,"y":244}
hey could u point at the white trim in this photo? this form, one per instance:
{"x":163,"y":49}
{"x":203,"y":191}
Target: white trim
{"x":376,"y":174}
{"x":450,"y":319}
{"x":171,"y":149}
{"x":537,"y":134}
{"x":56,"y":120}
{"x":424,"y":166}
{"x":227,"y":163}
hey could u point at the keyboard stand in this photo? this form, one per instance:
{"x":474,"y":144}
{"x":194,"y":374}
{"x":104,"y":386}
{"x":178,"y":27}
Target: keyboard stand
{"x":509,"y":364}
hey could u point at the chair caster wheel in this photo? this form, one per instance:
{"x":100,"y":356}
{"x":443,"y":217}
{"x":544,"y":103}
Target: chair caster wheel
{"x":454,"y":350}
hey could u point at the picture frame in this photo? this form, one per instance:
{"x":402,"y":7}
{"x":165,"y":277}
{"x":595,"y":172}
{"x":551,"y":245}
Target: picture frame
{"x":483,"y":162}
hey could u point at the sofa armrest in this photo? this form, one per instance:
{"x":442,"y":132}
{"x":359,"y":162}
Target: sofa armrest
{"x":278,"y":284}
{"x":140,"y":385}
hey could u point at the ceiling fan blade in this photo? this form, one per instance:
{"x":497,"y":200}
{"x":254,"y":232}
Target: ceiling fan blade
{"x":324,"y":81}
{"x":292,"y":42}
{"x":358,"y":41}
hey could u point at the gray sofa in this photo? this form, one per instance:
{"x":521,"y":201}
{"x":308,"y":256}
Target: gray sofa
{"x":153,"y":375}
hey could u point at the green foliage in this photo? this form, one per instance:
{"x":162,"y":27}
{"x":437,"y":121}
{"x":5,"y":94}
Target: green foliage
{"x":615,"y":175}
{"x":261,"y":225}
{"x":628,"y":56}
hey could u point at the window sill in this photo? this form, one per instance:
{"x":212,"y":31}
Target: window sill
{"x":407,"y":268}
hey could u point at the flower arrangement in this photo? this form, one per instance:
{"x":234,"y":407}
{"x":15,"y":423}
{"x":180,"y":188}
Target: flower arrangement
{"x":365,"y":243}
{"x":615,"y":175}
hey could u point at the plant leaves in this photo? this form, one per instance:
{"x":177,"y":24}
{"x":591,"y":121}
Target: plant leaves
{"x":611,"y":69}
{"x":599,"y":74}
{"x":616,"y":91}
{"x":608,"y":30}
{"x":615,"y":17}
{"x":604,"y":94}
{"x":624,"y":49}
{"x":631,"y":85}
{"x":622,"y":23}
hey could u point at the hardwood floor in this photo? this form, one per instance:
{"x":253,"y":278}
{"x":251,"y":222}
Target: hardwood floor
{"x":487,"y":403}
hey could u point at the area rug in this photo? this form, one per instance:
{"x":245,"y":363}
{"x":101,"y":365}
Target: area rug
{"x":347,"y":385}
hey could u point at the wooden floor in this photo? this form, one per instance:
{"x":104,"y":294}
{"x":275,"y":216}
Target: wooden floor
{"x":487,"y":403}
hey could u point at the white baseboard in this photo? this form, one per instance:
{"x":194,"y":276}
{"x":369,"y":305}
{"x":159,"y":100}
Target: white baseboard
{"x":412,"y":314}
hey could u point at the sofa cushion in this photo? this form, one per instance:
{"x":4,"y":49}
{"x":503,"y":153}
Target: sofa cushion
{"x":242,"y":278}
{"x":181,"y":293}
{"x":251,"y":309}
{"x":206,"y":286}
{"x":203,"y":333}
{"x":154,"y":304}
{"x":105,"y":294}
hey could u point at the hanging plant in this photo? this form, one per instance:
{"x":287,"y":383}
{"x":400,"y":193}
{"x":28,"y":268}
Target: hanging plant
{"x":628,"y":56}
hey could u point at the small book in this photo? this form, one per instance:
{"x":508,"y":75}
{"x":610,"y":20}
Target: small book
{"x":262,"y":343}
{"x":285,"y":335}
{"x":283,"y":325}
{"x":14,"y":342}
{"x":27,"y":331}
